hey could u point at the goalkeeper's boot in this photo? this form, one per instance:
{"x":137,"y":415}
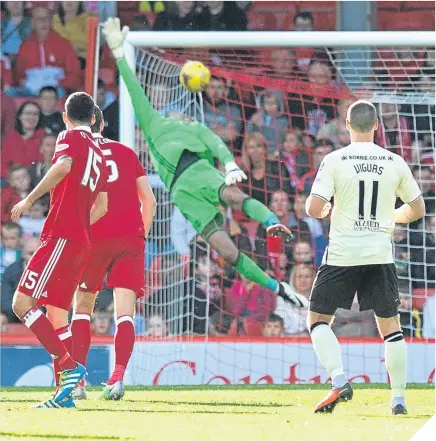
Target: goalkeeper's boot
{"x":80,"y":391}
{"x":335,"y":396}
{"x":113,"y":391}
{"x":399,"y":409}
{"x":280,"y":230}
{"x":290,"y":296}
{"x":68,"y":380}
{"x":66,"y":403}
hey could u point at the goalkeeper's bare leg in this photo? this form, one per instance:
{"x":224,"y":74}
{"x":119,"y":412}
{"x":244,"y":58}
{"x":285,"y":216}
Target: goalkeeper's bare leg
{"x":235,"y":198}
{"x":223,"y":244}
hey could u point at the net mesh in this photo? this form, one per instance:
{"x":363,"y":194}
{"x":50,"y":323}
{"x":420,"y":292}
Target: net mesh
{"x":279,"y":111}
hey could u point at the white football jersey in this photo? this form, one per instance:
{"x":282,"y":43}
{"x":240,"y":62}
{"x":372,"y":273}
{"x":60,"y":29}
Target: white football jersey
{"x":364,"y":180}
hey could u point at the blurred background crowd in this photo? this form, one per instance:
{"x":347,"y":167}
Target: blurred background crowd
{"x":279,"y":135}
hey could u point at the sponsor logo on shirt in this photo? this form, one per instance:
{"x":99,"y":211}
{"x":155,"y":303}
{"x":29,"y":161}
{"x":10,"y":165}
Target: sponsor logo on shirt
{"x":362,"y":225}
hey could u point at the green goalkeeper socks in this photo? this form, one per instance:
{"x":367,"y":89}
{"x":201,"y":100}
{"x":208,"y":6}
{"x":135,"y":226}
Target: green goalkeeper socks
{"x":259,"y":212}
{"x":245,"y":266}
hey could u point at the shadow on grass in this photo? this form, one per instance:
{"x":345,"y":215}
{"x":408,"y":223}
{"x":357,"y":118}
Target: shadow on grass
{"x":210,"y":403}
{"x":177,"y":411}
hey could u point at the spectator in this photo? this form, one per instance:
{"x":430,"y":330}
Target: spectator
{"x":336,"y":130}
{"x":393,"y":131}
{"x":45,"y":59}
{"x":3,"y":323}
{"x":6,"y":79}
{"x":101,"y":323}
{"x":111,"y":117}
{"x":15,"y":28}
{"x":318,"y":110}
{"x":425,"y":178}
{"x":322,"y":148}
{"x":302,"y":252}
{"x":281,"y":207}
{"x":301,"y":281}
{"x":264,"y":176}
{"x":12,"y":276}
{"x":223,"y":16}
{"x":295,"y":156}
{"x":71,"y":23}
{"x":354,"y":323}
{"x":33,"y":221}
{"x":316,"y":227}
{"x":156,"y":327}
{"x":303,"y":22}
{"x":21,"y":145}
{"x":401,"y":251}
{"x":178,"y":16}
{"x":19,"y":188}
{"x":10,"y":250}
{"x":273,"y":327}
{"x":182,"y":232}
{"x":8,"y":112}
{"x":270,"y":120}
{"x":429,"y":318}
{"x":251,"y":301}
{"x":410,"y":318}
{"x":104,"y":98}
{"x":220,"y":115}
{"x":282,"y":63}
{"x":51,"y":118}
{"x":219,"y":324}
{"x":39,"y":169}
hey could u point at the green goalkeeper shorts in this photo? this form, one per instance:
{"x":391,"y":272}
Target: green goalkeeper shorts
{"x":197,"y":195}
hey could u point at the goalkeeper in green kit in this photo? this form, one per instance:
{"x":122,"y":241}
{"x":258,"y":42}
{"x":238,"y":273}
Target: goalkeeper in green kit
{"x":182,"y":154}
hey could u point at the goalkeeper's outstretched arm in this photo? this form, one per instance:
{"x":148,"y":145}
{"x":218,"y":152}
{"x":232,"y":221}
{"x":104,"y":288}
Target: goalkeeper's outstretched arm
{"x":144,"y":111}
{"x":220,"y":151}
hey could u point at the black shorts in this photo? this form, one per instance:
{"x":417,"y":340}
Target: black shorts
{"x":376,"y":287}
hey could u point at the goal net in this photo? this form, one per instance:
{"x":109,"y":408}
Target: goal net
{"x":280,"y":110}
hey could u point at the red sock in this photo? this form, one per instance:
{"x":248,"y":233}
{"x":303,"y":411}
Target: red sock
{"x":81,"y":330}
{"x":64,"y":335}
{"x":40,"y":325}
{"x":124,"y":341}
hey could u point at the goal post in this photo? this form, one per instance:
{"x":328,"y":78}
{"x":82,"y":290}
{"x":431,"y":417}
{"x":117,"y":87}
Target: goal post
{"x":391,"y":69}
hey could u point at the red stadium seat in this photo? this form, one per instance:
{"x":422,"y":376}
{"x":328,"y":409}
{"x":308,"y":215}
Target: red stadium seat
{"x":420,"y":296}
{"x":418,"y":5}
{"x":276,"y":7}
{"x":261,"y":21}
{"x":405,"y":21}
{"x":390,"y":6}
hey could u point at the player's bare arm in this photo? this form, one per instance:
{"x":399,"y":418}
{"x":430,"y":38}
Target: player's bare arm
{"x":99,"y":209}
{"x":55,"y":175}
{"x":148,"y":202}
{"x":317,"y":207}
{"x":410,"y":212}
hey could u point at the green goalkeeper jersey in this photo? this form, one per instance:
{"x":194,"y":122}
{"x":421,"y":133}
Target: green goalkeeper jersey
{"x":167,"y":138}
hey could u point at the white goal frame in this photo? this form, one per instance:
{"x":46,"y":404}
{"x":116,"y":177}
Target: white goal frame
{"x":255,"y":39}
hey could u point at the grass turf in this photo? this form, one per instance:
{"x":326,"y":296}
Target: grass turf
{"x":226,"y":413}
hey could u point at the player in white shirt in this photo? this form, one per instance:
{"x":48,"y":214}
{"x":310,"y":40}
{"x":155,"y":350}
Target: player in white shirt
{"x":365,"y":181}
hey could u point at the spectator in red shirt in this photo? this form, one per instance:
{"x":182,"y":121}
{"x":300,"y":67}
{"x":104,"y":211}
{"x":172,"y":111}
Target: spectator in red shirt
{"x":19,"y":188}
{"x":21,"y":145}
{"x":394,"y":132}
{"x":250,"y":300}
{"x":45,"y":59}
{"x":8,"y":112}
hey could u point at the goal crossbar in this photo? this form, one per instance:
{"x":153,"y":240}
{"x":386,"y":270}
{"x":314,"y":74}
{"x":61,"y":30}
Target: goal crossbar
{"x":280,"y":39}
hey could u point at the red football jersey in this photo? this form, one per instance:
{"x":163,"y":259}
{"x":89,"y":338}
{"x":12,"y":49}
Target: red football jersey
{"x":123,"y":217}
{"x":72,"y":199}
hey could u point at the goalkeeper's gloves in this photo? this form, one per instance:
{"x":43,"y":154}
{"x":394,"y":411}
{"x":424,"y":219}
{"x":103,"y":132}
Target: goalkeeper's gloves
{"x":234,"y":174}
{"x":288,"y":295}
{"x":115,"y":36}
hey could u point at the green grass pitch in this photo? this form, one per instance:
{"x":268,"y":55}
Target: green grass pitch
{"x":227,"y":413}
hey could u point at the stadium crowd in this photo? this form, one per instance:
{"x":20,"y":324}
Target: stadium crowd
{"x":278,"y":136}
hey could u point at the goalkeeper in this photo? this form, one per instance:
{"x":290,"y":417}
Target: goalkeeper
{"x":182,"y":154}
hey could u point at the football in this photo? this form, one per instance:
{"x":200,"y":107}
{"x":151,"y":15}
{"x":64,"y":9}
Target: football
{"x":194,"y":76}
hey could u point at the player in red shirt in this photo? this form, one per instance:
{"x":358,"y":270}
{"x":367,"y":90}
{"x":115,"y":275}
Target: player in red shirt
{"x":118,"y":251}
{"x":75,"y":181}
